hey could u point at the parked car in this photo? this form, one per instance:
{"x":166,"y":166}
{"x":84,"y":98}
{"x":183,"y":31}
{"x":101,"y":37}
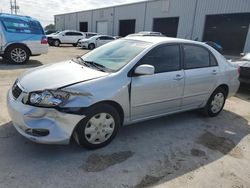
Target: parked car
{"x":215,"y":45}
{"x":147,"y":33}
{"x":90,"y":34}
{"x":95,"y":41}
{"x":20,"y":38}
{"x":65,"y":37}
{"x":244,"y":64}
{"x":125,"y":81}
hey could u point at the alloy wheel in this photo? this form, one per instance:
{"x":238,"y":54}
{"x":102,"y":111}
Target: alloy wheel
{"x":18,"y":55}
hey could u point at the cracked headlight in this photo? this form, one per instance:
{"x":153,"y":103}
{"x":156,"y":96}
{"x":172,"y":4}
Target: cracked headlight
{"x":48,"y":98}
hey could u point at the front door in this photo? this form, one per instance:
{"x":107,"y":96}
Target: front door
{"x":162,"y":92}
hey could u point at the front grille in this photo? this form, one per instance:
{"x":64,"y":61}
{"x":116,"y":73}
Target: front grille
{"x":16,"y":91}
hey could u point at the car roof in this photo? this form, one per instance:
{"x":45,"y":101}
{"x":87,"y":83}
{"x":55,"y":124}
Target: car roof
{"x":160,"y":39}
{"x":102,"y":36}
{"x":71,"y":31}
{"x":90,"y":32}
{"x":25,"y":18}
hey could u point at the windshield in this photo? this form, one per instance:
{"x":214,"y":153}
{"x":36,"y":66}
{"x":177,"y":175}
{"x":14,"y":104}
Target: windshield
{"x":117,"y":54}
{"x":22,"y":26}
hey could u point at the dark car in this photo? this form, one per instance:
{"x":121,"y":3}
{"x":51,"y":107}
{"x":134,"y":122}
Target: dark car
{"x":244,"y":64}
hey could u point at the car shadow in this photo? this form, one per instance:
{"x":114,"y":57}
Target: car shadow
{"x":5,"y":65}
{"x":244,"y":92}
{"x":162,"y":149}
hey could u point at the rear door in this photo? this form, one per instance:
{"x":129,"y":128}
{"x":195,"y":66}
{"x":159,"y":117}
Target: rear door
{"x":162,"y":92}
{"x":103,"y":40}
{"x":67,"y":37}
{"x":201,"y":74}
{"x":76,"y":36}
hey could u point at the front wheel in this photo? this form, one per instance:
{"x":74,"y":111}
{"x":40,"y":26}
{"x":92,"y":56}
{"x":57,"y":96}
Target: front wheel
{"x":99,"y":127}
{"x":216,"y":102}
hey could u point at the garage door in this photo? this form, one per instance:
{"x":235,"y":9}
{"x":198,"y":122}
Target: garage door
{"x":83,"y":26}
{"x":102,"y":27}
{"x":167,"y":26}
{"x":126,"y":27}
{"x":228,"y":30}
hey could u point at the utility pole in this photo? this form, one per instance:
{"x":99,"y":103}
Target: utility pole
{"x":13,"y":7}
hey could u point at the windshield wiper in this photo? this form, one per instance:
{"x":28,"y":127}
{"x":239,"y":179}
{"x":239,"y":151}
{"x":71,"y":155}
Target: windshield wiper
{"x":92,"y":64}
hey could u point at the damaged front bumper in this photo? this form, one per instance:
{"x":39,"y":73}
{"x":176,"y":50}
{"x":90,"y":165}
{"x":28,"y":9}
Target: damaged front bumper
{"x":42,"y":125}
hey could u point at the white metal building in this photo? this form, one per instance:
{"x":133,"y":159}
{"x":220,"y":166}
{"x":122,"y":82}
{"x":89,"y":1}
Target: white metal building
{"x":223,"y":21}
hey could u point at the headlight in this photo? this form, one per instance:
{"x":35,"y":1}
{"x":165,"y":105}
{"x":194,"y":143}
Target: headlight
{"x":48,"y":98}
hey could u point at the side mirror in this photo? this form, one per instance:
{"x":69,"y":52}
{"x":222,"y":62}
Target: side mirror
{"x":144,"y":70}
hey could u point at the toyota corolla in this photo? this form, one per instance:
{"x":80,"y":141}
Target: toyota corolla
{"x":129,"y":80}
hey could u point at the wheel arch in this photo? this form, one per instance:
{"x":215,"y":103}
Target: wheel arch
{"x":224,"y":87}
{"x":17,"y":44}
{"x":116,"y":105}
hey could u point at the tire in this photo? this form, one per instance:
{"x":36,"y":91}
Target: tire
{"x":17,"y":54}
{"x":92,"y":132}
{"x":215,"y":103}
{"x":75,"y":45}
{"x":57,"y":43}
{"x":91,"y":46}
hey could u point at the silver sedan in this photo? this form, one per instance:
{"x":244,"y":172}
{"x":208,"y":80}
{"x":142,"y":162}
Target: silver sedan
{"x":129,"y":80}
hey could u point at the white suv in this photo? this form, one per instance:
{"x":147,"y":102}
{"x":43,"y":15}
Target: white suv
{"x":65,"y":37}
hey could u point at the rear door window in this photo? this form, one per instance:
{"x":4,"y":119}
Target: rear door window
{"x":22,"y":26}
{"x":195,"y":57}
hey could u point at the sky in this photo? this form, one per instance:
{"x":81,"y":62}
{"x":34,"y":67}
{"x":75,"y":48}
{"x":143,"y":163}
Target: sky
{"x":44,"y":10}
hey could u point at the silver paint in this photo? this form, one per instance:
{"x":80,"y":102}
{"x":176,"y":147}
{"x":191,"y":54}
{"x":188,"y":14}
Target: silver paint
{"x":140,"y":97}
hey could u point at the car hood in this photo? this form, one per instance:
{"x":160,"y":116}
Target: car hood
{"x":84,"y":40}
{"x":243,"y":63}
{"x":51,"y":35}
{"x":57,"y":75}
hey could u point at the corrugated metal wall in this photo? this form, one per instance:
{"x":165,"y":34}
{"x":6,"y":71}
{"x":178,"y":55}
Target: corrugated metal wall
{"x":191,"y":13}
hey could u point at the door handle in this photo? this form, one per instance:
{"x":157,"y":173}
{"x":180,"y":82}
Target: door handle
{"x":214,"y":72}
{"x":178,"y":77}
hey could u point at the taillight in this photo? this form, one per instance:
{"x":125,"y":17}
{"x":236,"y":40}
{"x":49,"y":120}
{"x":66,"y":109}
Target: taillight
{"x":44,"y":40}
{"x":238,"y":71}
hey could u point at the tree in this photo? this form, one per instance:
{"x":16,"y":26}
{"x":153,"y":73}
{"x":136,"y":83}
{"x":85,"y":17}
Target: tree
{"x":50,"y":27}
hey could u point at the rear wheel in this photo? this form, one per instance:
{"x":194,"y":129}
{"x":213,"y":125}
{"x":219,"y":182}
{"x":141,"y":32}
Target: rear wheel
{"x":17,"y":54}
{"x":57,"y":43}
{"x":216,"y":102}
{"x":91,"y":46}
{"x":99,"y":127}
